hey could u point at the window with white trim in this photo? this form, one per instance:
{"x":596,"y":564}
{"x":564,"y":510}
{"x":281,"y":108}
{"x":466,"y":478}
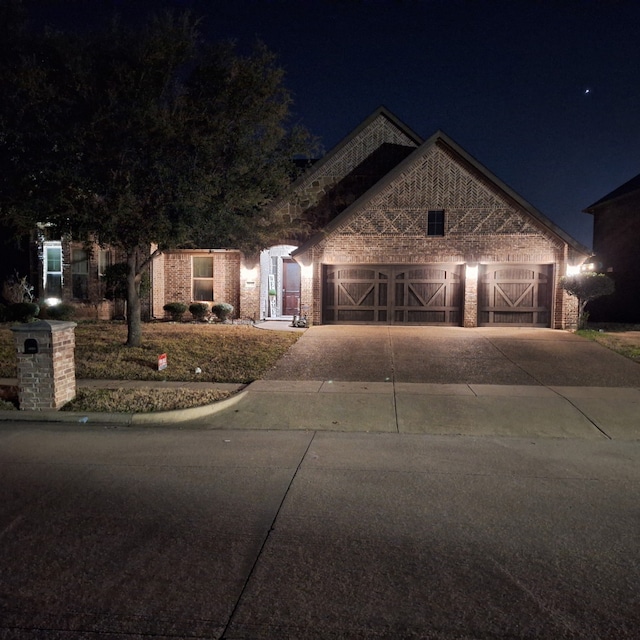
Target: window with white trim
{"x":202,"y":270}
{"x":52,"y":269}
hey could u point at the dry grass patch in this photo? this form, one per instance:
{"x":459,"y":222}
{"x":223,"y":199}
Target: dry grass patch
{"x":141,"y":400}
{"x":5,"y":405}
{"x":626,"y":343}
{"x":223,"y":353}
{"x":8,"y":361}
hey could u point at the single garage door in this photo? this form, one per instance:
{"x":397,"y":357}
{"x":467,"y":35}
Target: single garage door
{"x":393,"y":294}
{"x":515,"y":295}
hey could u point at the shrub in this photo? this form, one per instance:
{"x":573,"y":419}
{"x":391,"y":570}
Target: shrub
{"x":176,"y":310}
{"x":62,"y":311}
{"x":199,"y":310}
{"x":22,"y":312}
{"x":17,"y":289}
{"x":223,"y":310}
{"x":586,"y":287}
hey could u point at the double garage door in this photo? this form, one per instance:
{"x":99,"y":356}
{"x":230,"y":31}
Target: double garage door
{"x":434,"y":294}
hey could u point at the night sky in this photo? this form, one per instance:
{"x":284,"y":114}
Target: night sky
{"x":544,"y":93}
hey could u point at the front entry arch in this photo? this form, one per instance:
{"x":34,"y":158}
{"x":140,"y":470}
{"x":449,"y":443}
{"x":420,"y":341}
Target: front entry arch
{"x":280,"y":283}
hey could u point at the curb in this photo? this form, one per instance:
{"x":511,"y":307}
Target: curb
{"x":126,"y":419}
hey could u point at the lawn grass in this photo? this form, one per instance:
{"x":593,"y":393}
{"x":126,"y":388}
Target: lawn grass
{"x":142,"y":400}
{"x":222,"y":353}
{"x":626,"y":343}
{"x":195,"y":352}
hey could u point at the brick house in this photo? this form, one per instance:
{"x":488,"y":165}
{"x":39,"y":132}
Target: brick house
{"x":616,"y":235}
{"x":396,"y":230}
{"x":73,"y":272}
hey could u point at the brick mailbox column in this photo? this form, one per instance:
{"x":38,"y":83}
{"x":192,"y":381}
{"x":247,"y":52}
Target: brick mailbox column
{"x":46,"y":364}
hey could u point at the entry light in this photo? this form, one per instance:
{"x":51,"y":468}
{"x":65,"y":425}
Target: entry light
{"x":52,"y":302}
{"x":591,"y":265}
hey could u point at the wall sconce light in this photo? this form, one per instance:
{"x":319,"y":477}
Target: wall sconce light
{"x":591,"y":265}
{"x":471,"y":271}
{"x":248,"y":273}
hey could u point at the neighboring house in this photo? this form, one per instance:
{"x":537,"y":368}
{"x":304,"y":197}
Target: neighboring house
{"x":74,"y":273}
{"x":616,"y":236}
{"x":399,"y":231}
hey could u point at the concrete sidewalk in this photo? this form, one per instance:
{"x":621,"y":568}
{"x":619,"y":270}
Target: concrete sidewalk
{"x":400,"y":407}
{"x":437,"y":409}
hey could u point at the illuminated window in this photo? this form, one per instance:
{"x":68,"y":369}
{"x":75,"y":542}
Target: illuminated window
{"x":203,"y":279}
{"x":52,"y":269}
{"x":435,"y":223}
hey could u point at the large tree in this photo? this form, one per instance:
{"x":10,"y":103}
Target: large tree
{"x":146,"y":140}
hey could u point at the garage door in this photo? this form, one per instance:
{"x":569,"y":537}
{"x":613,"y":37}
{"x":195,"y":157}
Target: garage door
{"x":516,"y":295}
{"x":397,"y":294}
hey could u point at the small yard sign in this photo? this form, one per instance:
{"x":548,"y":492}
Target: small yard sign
{"x":162,"y":361}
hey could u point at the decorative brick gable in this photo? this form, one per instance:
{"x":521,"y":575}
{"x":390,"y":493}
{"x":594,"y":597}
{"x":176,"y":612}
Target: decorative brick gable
{"x":318,"y":182}
{"x":438,"y":181}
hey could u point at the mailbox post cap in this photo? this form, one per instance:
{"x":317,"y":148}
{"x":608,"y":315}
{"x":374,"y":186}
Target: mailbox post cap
{"x":48,"y":326}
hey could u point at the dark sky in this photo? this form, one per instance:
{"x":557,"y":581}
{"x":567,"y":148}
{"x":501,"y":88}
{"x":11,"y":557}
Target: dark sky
{"x":544,"y":93}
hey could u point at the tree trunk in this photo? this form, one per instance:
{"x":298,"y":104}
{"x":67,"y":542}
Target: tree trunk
{"x":134,"y":321}
{"x":583,"y":316}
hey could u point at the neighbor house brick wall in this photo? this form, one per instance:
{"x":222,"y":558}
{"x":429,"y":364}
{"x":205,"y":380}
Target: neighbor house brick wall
{"x":178,"y":283}
{"x":158,"y":279}
{"x":46,"y":379}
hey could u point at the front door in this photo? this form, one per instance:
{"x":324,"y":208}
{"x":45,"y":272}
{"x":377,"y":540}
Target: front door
{"x":290,"y":287}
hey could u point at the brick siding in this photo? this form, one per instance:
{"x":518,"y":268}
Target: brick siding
{"x":46,"y":379}
{"x":482,"y":226}
{"x":176,"y":268}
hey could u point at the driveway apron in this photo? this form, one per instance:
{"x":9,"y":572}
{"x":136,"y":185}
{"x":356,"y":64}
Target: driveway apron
{"x":453,"y":355}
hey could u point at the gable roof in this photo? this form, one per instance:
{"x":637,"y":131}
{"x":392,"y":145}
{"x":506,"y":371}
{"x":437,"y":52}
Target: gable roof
{"x":628,"y":188}
{"x":441,"y":139}
{"x":317,"y":167}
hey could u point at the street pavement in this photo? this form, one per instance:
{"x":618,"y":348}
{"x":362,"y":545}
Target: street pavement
{"x":239,"y":534}
{"x":493,"y":500}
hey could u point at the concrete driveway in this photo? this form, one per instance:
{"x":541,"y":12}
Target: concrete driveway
{"x":454,"y":355}
{"x":444,"y":380}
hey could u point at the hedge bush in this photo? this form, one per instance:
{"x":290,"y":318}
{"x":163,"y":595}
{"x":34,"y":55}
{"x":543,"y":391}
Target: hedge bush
{"x":22,"y":312}
{"x":176,"y":310}
{"x":62,"y":311}
{"x":199,"y":310}
{"x":223,"y":310}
